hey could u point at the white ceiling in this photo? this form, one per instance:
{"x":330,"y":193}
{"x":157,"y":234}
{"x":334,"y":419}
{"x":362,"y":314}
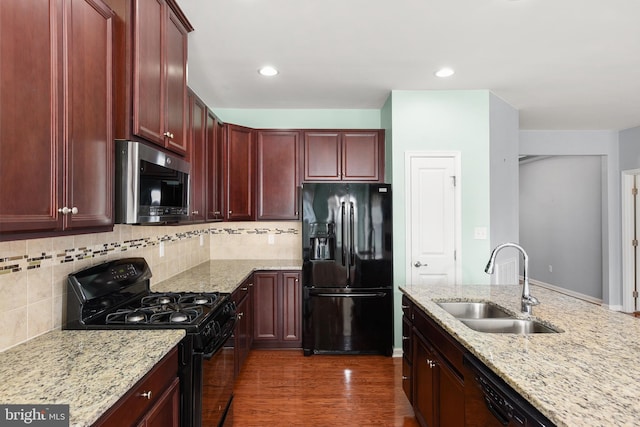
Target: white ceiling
{"x":565,"y":64}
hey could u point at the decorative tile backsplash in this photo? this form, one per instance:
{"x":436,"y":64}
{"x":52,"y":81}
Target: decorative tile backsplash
{"x":33,"y":273}
{"x":15,"y":263}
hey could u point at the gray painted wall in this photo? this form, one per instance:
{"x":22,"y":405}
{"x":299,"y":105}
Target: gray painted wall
{"x":598,"y":143}
{"x":630,"y":149}
{"x":561,"y":221}
{"x":503,"y":178}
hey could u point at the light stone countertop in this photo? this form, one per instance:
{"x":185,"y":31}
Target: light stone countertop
{"x":89,"y":370}
{"x":588,"y":375}
{"x":220,"y":275}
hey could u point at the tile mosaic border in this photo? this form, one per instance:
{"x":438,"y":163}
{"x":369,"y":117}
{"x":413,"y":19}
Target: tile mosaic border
{"x":15,"y":263}
{"x":21,"y":262}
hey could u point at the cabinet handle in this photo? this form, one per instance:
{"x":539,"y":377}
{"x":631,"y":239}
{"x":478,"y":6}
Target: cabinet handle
{"x":216,"y":213}
{"x":195,"y":213}
{"x":250,"y":284}
{"x":431,"y":363}
{"x":404,"y":307}
{"x":240,"y":315}
{"x":245,"y":288}
{"x":230,"y":212}
{"x":146,"y":395}
{"x":167,"y":134}
{"x":405,"y":338}
{"x":404,"y":378}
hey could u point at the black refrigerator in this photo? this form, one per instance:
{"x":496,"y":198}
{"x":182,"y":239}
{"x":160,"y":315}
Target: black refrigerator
{"x":347,"y":271}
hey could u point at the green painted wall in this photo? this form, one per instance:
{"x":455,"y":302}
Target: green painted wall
{"x":445,"y":121}
{"x":300,"y":118}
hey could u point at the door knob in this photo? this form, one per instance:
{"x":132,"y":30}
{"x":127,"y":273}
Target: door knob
{"x":419,"y":264}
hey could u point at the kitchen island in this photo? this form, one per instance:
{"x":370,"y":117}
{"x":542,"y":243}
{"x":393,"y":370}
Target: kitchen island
{"x":88,"y":370}
{"x":586,"y":375}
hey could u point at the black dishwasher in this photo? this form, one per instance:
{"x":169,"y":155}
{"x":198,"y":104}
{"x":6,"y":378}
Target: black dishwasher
{"x":502,"y":403}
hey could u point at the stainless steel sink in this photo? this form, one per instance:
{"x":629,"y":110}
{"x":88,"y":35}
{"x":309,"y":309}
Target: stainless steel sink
{"x":491,"y":318}
{"x":474,"y":310}
{"x":508,"y":326}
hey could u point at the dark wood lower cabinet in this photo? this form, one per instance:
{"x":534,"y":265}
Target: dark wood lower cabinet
{"x":153,"y":402}
{"x":277,"y":310}
{"x":243,"y":332}
{"x":435,"y":373}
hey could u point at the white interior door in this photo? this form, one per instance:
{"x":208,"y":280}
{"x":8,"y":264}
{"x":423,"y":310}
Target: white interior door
{"x":433,"y":221}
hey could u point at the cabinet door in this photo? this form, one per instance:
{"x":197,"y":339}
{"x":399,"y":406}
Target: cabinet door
{"x":214,"y":143}
{"x":243,"y":333}
{"x":278,"y":174}
{"x":176,"y":84}
{"x":451,"y":399}
{"x":291,"y":309}
{"x":149,"y":71}
{"x":266,"y":318}
{"x":30,"y":135}
{"x":166,"y":412}
{"x":198,"y":177}
{"x":322,"y":156}
{"x":89,"y":136}
{"x":362,"y":156}
{"x":239,"y":173}
{"x":424,"y":383}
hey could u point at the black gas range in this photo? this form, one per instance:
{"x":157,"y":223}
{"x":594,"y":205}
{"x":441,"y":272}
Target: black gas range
{"x":117,"y":295}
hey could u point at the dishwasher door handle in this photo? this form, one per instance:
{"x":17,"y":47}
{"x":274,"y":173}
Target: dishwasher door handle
{"x":354,"y":295}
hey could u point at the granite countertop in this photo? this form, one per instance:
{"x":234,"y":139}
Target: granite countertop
{"x":220,"y":275}
{"x":588,"y":375}
{"x":89,"y":370}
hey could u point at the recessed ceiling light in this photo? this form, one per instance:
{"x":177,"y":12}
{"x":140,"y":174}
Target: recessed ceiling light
{"x":268,"y":71}
{"x":445,"y":72}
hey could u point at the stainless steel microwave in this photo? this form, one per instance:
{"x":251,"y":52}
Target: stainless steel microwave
{"x":151,"y":186}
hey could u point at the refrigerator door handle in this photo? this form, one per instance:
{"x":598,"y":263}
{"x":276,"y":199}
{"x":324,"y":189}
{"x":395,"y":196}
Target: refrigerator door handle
{"x":354,"y":295}
{"x":343,"y":243}
{"x":352,"y":260}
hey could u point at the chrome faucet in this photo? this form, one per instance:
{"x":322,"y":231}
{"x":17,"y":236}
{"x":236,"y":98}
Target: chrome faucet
{"x":528,"y":301}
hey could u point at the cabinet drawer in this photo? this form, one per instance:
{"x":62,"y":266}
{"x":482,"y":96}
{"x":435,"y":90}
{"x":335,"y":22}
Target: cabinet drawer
{"x":133,"y":405}
{"x":451,"y":351}
{"x":406,"y":338}
{"x":407,"y":308}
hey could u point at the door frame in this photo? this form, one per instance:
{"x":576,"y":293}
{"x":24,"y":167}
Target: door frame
{"x":628,"y":214}
{"x":457,"y":158}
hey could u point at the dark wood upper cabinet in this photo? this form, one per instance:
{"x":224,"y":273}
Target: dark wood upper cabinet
{"x":278,"y":174}
{"x":239,"y":173}
{"x":150,"y":73}
{"x":198,"y":158}
{"x":56,"y":133}
{"x":344,"y":155}
{"x":214,"y":181}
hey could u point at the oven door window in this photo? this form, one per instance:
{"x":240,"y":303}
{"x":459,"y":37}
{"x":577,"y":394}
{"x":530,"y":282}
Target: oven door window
{"x":217,"y":386}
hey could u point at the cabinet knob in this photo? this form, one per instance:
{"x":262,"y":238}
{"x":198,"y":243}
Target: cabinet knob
{"x":167,"y":134}
{"x":404,"y":307}
{"x":404,"y":378}
{"x":146,"y":395}
{"x":195,"y":213}
{"x":66,"y":211}
{"x":239,"y":315}
{"x":230,"y":212}
{"x":431,"y":363}
{"x":216,"y":213}
{"x":405,"y":338}
{"x":245,"y":288}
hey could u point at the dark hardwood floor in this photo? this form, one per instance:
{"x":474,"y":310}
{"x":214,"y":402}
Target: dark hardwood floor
{"x":284,"y":388}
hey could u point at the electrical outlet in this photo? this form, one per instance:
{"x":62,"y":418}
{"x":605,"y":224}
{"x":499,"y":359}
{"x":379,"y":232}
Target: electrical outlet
{"x":480,"y":233}
{"x":161,"y":249}
{"x":201,"y":240}
{"x":550,"y":268}
{"x":271,"y":239}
